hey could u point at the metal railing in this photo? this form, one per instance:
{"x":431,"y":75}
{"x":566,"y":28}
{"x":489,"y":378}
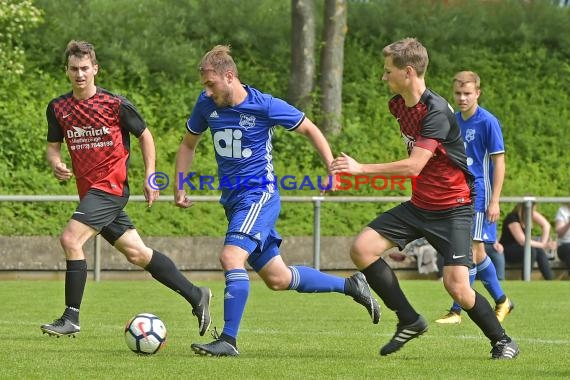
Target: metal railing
{"x":317,"y":201}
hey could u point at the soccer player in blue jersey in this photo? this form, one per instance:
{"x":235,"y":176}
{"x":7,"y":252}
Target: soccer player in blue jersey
{"x":485,"y":149}
{"x":242,"y":121}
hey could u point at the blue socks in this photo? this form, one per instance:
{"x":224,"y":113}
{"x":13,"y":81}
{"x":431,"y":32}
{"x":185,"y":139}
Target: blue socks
{"x":235,"y":298}
{"x":304,"y":280}
{"x":310,"y":280}
{"x":487,"y":273}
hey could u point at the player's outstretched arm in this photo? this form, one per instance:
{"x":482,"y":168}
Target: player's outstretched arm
{"x":321,"y":145}
{"x":184,"y":159}
{"x":149,"y":157}
{"x":410,"y":167}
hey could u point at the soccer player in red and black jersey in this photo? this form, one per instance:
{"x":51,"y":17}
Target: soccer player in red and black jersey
{"x":440,"y":208}
{"x":96,"y":126}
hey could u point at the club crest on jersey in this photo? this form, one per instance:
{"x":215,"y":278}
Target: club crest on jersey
{"x":246,"y":121}
{"x":469,"y":135}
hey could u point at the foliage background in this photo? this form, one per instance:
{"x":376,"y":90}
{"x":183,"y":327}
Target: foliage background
{"x":148,"y":51}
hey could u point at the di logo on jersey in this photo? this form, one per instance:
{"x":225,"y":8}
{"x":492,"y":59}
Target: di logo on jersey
{"x":227,"y":143}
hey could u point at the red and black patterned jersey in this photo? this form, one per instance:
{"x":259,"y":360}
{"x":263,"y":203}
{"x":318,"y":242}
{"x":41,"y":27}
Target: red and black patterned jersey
{"x":96,"y":131}
{"x":445,"y":181}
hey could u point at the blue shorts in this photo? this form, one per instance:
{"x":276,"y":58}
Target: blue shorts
{"x":482,"y":229}
{"x":479,"y":201}
{"x":251,"y":226}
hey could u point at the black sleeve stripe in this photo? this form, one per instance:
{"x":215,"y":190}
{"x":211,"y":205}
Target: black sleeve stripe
{"x":55,"y":133}
{"x":130,"y":117}
{"x":298,"y":124}
{"x":190,"y":130}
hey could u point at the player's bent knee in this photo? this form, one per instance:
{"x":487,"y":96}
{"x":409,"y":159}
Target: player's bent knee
{"x":69,"y":242}
{"x":460,"y":293}
{"x":277,"y":286}
{"x":455,"y":293}
{"x":137,"y":256}
{"x":276,"y":282}
{"x":361,"y":256}
{"x":479,"y":255}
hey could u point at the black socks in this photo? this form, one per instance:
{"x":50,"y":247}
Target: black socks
{"x":384,"y":282}
{"x":75,"y":279}
{"x":162,"y":268}
{"x":484,"y":316}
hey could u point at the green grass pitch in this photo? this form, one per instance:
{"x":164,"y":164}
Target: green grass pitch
{"x":283,"y":335}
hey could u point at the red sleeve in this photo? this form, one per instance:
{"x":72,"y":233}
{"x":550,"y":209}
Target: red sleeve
{"x":427,"y":143}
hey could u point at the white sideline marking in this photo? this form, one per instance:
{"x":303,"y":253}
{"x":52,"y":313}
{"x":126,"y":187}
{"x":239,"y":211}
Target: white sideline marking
{"x":424,"y":336}
{"x":523,"y":339}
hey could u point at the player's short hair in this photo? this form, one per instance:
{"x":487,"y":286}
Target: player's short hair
{"x":408,"y":52}
{"x":80,"y":49}
{"x":464,"y":77}
{"x":219,"y":60}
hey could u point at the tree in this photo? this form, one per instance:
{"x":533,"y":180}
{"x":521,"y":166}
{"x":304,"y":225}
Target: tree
{"x":16,"y":16}
{"x":16,"y":146}
{"x":302,"y":80}
{"x":332,"y":65}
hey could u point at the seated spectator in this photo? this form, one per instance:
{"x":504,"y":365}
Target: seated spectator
{"x":513,"y":239}
{"x":496,"y":252}
{"x":562,"y":225}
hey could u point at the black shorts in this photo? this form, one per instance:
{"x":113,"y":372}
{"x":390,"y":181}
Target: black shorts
{"x":105,"y":213}
{"x":448,"y":231}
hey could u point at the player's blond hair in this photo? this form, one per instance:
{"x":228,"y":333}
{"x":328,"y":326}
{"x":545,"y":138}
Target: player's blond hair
{"x":219,"y":60}
{"x":464,"y":77}
{"x":408,"y":52}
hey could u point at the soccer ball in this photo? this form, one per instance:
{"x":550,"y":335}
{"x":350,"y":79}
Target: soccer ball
{"x":145,"y":334}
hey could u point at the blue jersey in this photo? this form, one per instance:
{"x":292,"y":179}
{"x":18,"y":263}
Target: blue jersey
{"x":242,"y":139}
{"x":482,"y":137}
